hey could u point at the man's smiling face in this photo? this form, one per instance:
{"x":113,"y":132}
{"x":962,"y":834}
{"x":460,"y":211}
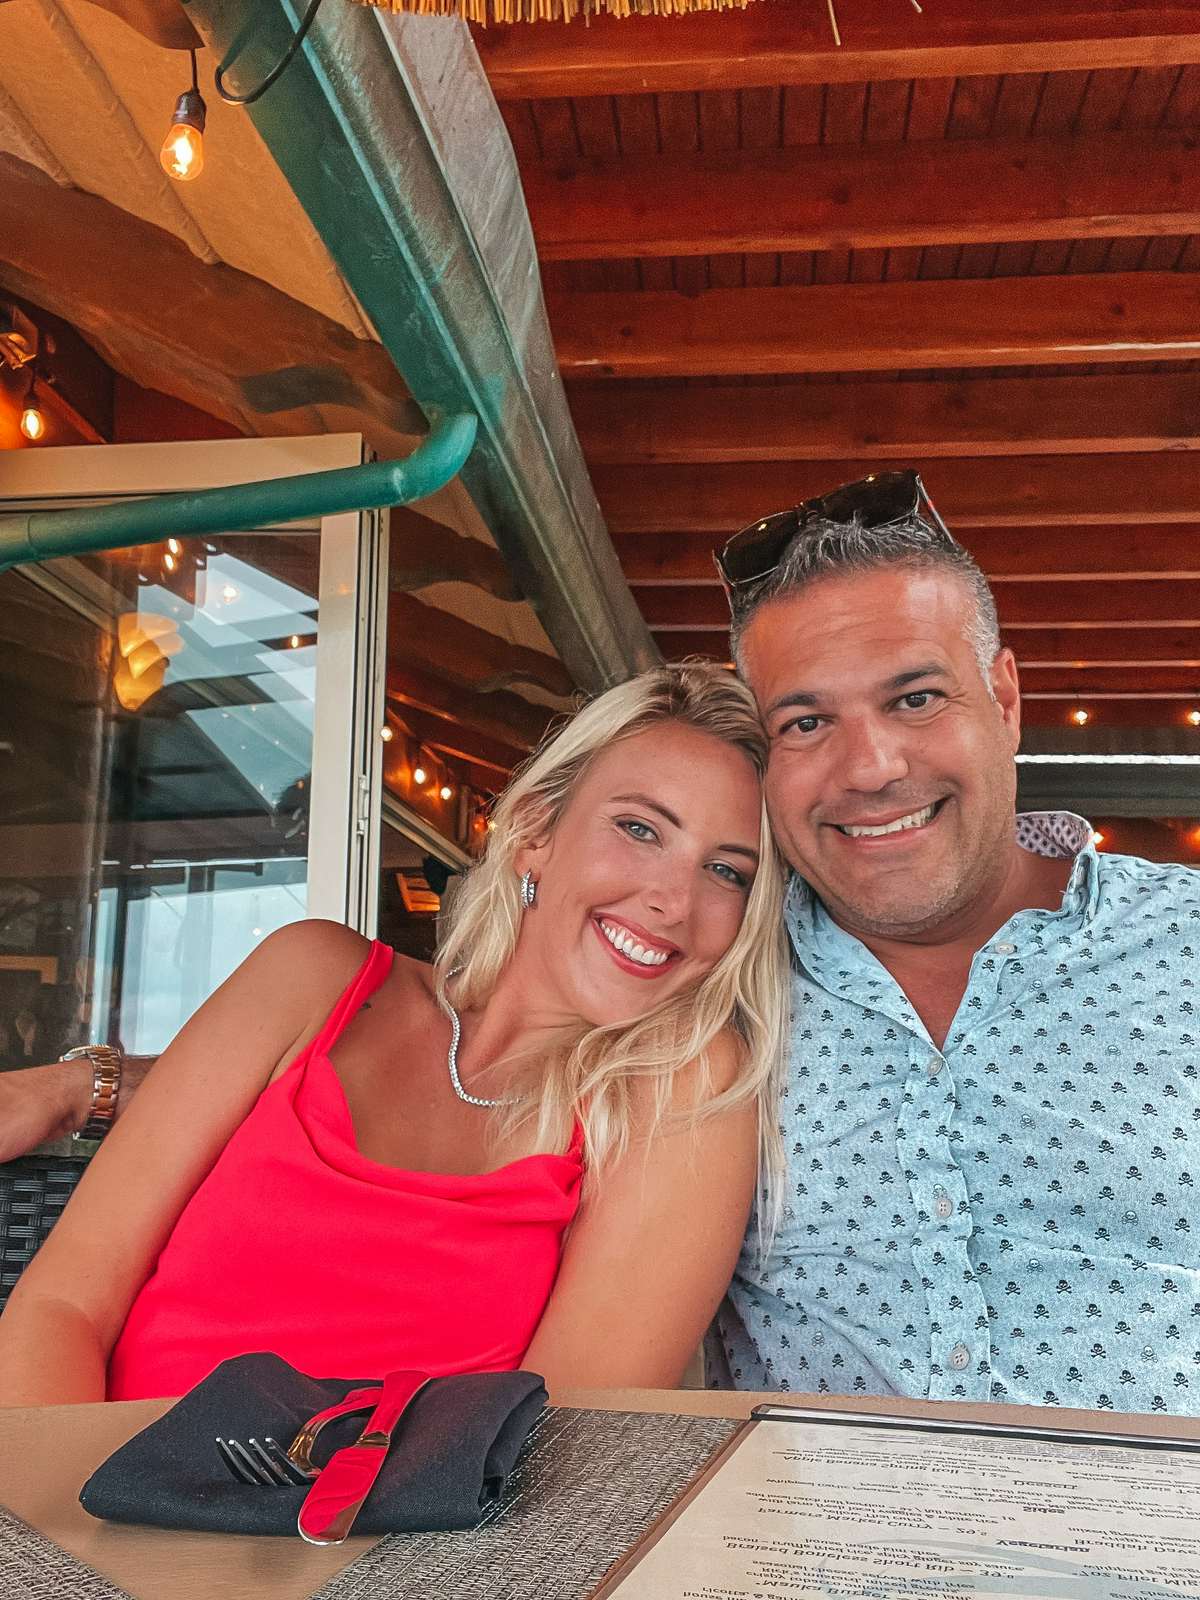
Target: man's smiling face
{"x":891,"y":783}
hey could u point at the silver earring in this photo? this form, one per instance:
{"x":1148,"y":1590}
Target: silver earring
{"x":528,"y":890}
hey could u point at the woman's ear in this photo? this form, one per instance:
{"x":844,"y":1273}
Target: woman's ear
{"x":538,"y":833}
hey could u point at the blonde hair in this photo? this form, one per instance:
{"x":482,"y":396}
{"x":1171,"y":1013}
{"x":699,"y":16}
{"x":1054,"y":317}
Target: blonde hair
{"x":593,"y":1075}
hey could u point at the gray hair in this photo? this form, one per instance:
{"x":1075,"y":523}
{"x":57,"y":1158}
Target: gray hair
{"x":826,"y":549}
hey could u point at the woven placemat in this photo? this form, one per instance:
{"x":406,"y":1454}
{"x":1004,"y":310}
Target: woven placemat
{"x":32,"y":1567}
{"x":587,"y":1486}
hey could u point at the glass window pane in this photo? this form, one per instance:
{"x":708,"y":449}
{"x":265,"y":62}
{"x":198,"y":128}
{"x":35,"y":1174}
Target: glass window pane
{"x":156,"y":722}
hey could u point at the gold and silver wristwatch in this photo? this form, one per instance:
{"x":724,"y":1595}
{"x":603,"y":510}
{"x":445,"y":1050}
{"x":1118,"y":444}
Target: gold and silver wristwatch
{"x":107,"y":1062}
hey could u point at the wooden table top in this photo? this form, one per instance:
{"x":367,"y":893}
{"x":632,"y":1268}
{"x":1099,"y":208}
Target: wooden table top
{"x":47,"y":1453}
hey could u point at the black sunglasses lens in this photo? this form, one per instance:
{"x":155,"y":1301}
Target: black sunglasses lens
{"x":874,"y":501}
{"x":757,"y":550}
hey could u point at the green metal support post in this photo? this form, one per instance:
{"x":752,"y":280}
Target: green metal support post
{"x":387,"y":132}
{"x":42,"y":535}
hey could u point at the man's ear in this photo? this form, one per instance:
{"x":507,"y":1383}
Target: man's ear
{"x":1006,"y":689}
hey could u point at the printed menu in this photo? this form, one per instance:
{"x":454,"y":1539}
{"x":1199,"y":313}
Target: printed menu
{"x":870,"y":1508}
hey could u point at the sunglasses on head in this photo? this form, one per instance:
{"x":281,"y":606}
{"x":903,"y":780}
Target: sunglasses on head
{"x":755,"y":552}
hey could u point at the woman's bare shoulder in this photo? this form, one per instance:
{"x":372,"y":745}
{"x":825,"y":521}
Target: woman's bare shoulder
{"x":314,"y":949}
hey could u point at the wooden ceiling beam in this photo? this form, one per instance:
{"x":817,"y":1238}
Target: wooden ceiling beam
{"x":1079,"y":651}
{"x":873,"y":196}
{"x":631,"y":422}
{"x":1109,"y":605}
{"x":1007,"y":555}
{"x":423,"y":552}
{"x":1113,"y":680}
{"x":466,"y":656}
{"x":777,"y":42}
{"x":863,"y":327}
{"x":502,"y":728}
{"x":970,"y":492}
{"x":1149,"y":711}
{"x":106,"y":272}
{"x":450,"y":735}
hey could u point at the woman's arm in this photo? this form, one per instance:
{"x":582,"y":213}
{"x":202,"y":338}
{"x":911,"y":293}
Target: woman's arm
{"x":41,"y":1103}
{"x":70,"y":1304}
{"x":651,"y":1254}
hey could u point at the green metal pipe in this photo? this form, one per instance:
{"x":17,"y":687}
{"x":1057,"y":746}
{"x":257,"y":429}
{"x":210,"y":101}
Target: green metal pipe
{"x":42,"y":535}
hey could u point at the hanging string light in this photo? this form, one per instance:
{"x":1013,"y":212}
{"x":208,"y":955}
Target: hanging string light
{"x":182,"y":154}
{"x":33,"y":423}
{"x":1080,"y":716}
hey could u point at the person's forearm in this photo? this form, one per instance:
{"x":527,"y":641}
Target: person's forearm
{"x":50,"y":1355}
{"x":48,"y":1102}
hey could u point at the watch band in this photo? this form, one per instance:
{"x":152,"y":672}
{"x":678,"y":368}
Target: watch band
{"x":107,"y":1062}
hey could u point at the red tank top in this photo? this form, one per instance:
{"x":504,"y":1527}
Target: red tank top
{"x":297,"y":1243}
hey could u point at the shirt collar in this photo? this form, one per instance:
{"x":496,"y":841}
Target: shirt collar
{"x":1046,"y":833}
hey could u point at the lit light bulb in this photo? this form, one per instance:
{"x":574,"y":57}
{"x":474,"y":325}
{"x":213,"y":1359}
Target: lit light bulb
{"x":1193,"y":717}
{"x":1097,"y":838}
{"x":294,"y":641}
{"x":182,"y":154}
{"x":386,"y":734}
{"x":446,"y":792}
{"x":1079,"y":716}
{"x":33,"y":423}
{"x":229,"y":593}
{"x":419,"y":774}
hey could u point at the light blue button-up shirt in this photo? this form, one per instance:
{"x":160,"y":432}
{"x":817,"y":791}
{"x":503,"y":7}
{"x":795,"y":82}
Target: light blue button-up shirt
{"x":1012,"y":1216}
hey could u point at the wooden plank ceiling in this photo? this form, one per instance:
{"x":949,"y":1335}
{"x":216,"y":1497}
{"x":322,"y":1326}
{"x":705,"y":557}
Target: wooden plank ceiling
{"x":968,"y":240}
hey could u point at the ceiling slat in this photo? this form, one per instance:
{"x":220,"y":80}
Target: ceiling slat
{"x":1115,"y":605}
{"x":777,"y":42}
{"x":970,"y":492}
{"x":833,"y":196}
{"x":1136,"y":316}
{"x":888,"y":421}
{"x":1008,"y":555}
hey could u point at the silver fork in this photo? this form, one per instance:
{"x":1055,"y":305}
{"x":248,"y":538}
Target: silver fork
{"x":263,"y":1464}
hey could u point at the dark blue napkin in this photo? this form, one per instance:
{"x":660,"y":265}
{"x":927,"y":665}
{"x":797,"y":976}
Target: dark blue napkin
{"x":451,"y":1453}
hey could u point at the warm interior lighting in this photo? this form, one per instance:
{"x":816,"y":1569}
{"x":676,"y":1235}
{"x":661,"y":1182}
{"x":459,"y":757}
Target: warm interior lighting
{"x":294,"y":641}
{"x":145,"y":643}
{"x":174,"y":546}
{"x":229,"y":593}
{"x":170,"y":562}
{"x":419,"y":774}
{"x":446,"y":792}
{"x":1097,"y":838}
{"x":1193,"y":717}
{"x":1193,"y":838}
{"x":1079,"y":716}
{"x":182,"y":153}
{"x":386,"y":734}
{"x":33,"y":423}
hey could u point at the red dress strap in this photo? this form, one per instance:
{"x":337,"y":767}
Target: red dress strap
{"x":361,"y":987}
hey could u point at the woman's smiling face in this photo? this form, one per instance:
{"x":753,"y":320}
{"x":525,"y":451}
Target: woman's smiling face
{"x":643,"y":882}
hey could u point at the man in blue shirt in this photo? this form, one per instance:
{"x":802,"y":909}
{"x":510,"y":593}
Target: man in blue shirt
{"x":992,"y":1121}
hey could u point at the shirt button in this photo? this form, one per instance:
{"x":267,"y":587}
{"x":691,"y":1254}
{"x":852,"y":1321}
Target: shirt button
{"x":944,"y":1207}
{"x":934,"y":1065}
{"x":1004,"y":948}
{"x":959,"y":1357}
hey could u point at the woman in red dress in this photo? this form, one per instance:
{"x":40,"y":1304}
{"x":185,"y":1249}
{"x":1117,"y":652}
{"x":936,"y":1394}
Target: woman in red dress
{"x":540,"y":1151}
